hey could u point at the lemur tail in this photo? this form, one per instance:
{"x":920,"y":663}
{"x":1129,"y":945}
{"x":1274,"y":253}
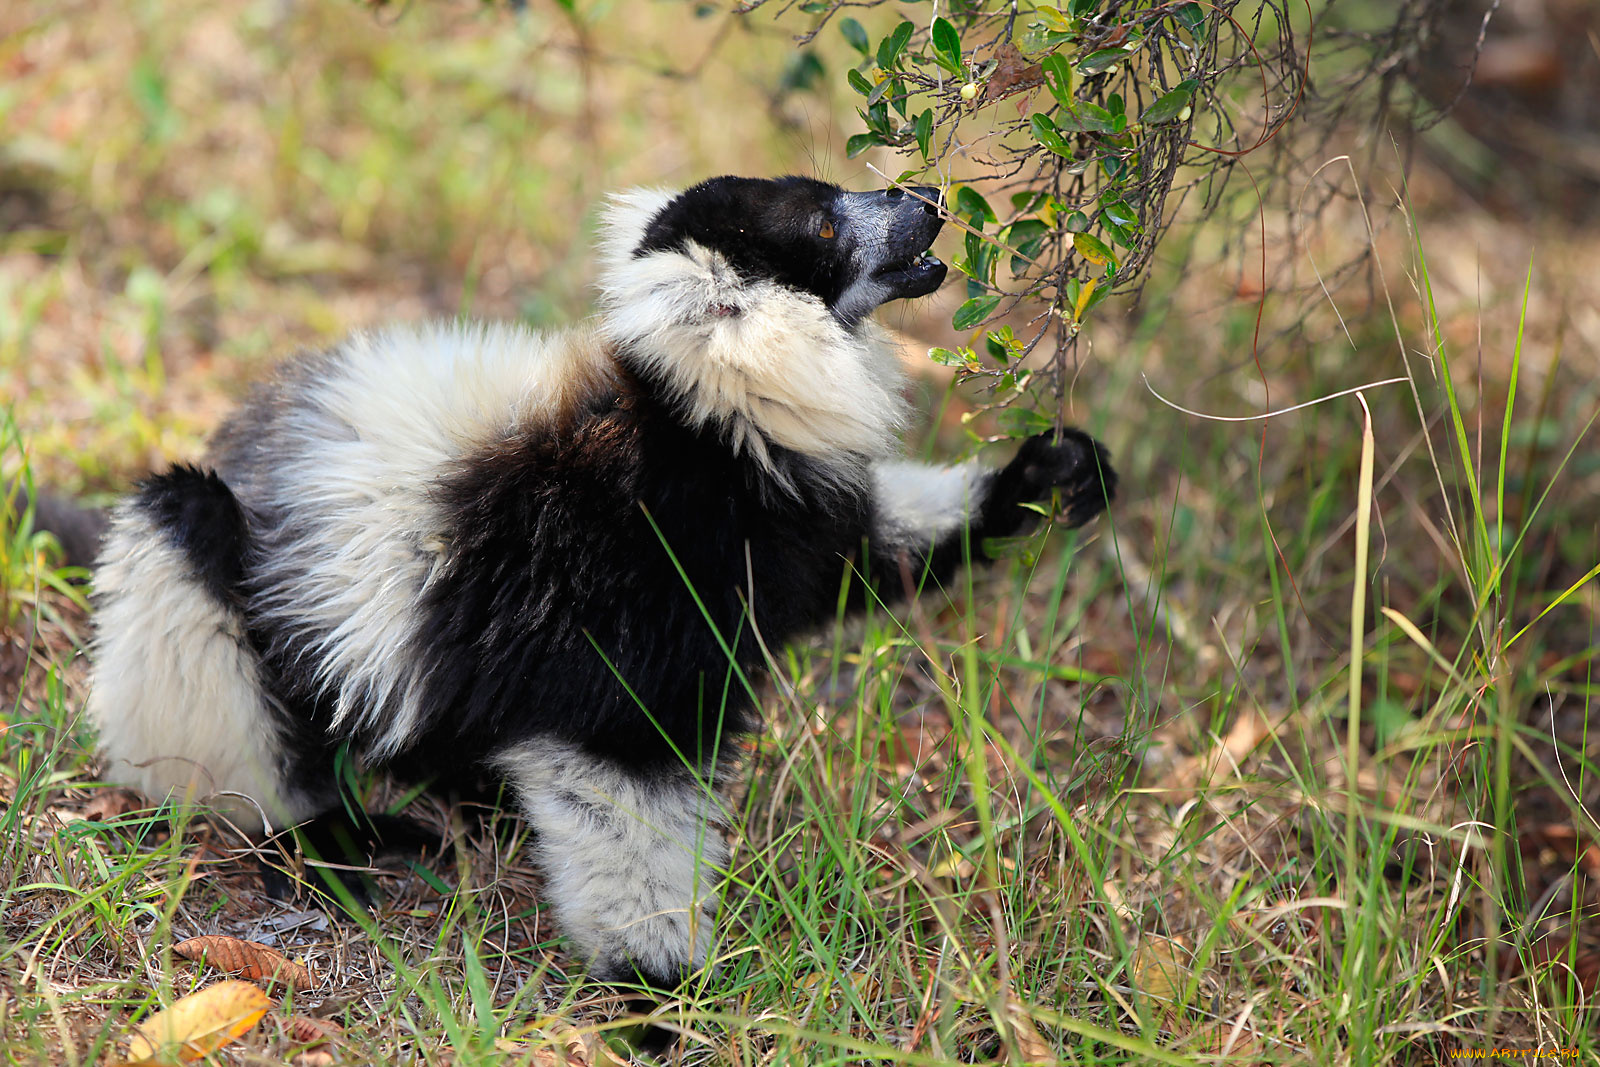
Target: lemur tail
{"x":79,"y":529}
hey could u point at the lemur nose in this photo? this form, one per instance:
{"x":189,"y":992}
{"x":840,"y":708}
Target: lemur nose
{"x":894,"y":192}
{"x":932,"y":201}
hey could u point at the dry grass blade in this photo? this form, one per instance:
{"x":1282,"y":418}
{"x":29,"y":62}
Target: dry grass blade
{"x":1358,"y":622}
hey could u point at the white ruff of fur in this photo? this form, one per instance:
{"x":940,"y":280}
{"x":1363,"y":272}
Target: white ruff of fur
{"x":177,"y":695}
{"x":631,"y":864}
{"x":917,"y":504}
{"x":761,"y":361}
{"x":395,"y":411}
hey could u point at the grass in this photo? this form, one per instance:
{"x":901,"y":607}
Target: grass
{"x":1286,"y":760}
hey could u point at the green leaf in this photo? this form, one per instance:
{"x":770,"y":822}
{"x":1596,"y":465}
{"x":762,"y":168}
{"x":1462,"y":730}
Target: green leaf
{"x":859,"y":143}
{"x":974,"y":311}
{"x":1021,"y":422}
{"x":803,"y":71}
{"x":858,"y":82}
{"x":1025,"y":237}
{"x":1121,"y":213}
{"x":925,"y":132}
{"x":1000,"y":345}
{"x":1080,"y":8}
{"x":946,"y":45}
{"x":1029,"y":199}
{"x":1058,"y":78}
{"x":816,"y":7}
{"x":959,"y":358}
{"x":880,"y":90}
{"x":971,"y":204}
{"x":1077,"y":222}
{"x":890,"y":47}
{"x":980,"y":265}
{"x":898,"y":98}
{"x":1045,"y":132}
{"x":1095,"y":62}
{"x":855,"y":35}
{"x":1169,"y":106}
{"x":973,"y":245}
{"x":1095,"y":118}
{"x":1191,"y":17}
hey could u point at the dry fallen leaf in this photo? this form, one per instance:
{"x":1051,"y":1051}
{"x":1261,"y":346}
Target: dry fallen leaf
{"x":304,"y":1030}
{"x":200,"y":1023}
{"x":1237,"y":1042}
{"x":1248,"y":732}
{"x":112,"y":803}
{"x":1033,"y":1048}
{"x":565,"y":1047}
{"x":955,"y":865}
{"x":865,"y":984}
{"x":1161,"y":969}
{"x":249,"y":960}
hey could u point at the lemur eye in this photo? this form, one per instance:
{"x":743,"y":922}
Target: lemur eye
{"x":827,"y":229}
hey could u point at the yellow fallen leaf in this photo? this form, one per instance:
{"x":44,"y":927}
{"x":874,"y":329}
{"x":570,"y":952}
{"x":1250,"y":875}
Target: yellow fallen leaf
{"x":954,"y":865}
{"x":1160,"y":968}
{"x":200,"y":1023}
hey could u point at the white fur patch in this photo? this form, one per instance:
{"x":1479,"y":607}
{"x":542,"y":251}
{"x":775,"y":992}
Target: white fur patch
{"x":918,"y":503}
{"x":631,"y":864}
{"x":177,"y":695}
{"x":364,"y":445}
{"x":762,"y":361}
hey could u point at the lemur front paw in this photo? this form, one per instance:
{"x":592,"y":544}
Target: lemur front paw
{"x":1069,"y":460}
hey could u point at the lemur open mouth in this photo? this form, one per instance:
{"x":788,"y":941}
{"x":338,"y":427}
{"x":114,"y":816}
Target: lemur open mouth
{"x":917,"y":261}
{"x":916,"y":275}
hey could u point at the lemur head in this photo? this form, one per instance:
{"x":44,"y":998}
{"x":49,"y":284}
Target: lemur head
{"x":853,"y":251}
{"x":749,"y":298}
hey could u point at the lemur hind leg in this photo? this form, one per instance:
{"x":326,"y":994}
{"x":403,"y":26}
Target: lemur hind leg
{"x":631,"y":860}
{"x":178,"y":693}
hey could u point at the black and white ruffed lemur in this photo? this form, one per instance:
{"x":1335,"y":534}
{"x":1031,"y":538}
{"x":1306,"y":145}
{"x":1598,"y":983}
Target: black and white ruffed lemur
{"x":481,"y":546}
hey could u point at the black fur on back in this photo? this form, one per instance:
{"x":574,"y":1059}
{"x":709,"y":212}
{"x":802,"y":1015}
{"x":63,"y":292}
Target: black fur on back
{"x":564,"y":610}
